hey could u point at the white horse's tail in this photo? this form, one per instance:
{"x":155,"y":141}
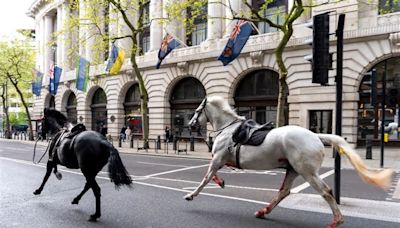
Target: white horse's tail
{"x":378,"y":177}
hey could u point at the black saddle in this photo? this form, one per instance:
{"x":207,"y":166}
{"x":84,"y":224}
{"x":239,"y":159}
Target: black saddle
{"x":76,"y":130}
{"x":251,"y":133}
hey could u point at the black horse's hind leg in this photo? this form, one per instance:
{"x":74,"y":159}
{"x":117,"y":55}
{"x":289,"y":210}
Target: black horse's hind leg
{"x":78,"y":197}
{"x":50,"y":165}
{"x":96,"y":191}
{"x":58,"y":174}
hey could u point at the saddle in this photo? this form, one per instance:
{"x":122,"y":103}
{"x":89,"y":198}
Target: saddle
{"x":251,"y":133}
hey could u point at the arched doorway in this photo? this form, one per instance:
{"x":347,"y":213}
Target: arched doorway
{"x":99,"y":111}
{"x":369,"y":114}
{"x":186,"y":97}
{"x":133,"y":116}
{"x":256,"y":96}
{"x":52,"y":102}
{"x":71,"y":108}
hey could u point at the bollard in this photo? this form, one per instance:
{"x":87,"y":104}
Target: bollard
{"x":131,"y":142}
{"x":191,"y":143}
{"x":174,"y":142}
{"x":119,"y":141}
{"x":158,"y":145}
{"x":368,"y":147}
{"x":210,"y":143}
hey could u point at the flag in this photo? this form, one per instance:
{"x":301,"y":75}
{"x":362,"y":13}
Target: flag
{"x":116,"y":60}
{"x":55,"y":75}
{"x":168,"y":44}
{"x":37,"y":82}
{"x":82,"y":73}
{"x":238,"y":38}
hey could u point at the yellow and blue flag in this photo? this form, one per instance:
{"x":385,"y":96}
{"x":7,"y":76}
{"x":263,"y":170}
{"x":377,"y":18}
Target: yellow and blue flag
{"x":82,"y":73}
{"x":168,"y":44}
{"x":116,"y":60}
{"x":37,"y":82}
{"x":238,"y":38}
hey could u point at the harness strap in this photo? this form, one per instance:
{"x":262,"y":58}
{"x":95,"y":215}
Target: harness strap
{"x":238,"y":145}
{"x":53,"y":150}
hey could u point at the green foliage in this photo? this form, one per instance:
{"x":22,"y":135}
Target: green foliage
{"x":18,"y":118}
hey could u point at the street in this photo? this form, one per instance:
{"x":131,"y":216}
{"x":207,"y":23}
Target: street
{"x":156,"y":199}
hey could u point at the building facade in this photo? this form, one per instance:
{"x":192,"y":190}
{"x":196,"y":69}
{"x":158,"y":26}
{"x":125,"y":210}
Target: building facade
{"x":249,"y":83}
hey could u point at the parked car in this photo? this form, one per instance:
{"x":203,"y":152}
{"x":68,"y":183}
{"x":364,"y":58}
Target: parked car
{"x":19,"y":127}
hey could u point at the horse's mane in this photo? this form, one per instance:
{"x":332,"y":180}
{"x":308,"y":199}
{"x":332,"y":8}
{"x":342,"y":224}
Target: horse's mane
{"x":224,"y":106}
{"x":58,"y":116}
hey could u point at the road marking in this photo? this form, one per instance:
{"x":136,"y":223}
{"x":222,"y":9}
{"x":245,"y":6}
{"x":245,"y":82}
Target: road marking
{"x":306,"y":184}
{"x":162,"y":164}
{"x":396,"y":194}
{"x":193,"y":188}
{"x":176,"y":170}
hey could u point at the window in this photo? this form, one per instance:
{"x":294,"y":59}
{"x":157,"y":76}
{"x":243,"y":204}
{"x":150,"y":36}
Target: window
{"x":275,"y":11}
{"x":321,"y":121}
{"x":389,"y":6}
{"x":145,"y":35}
{"x":197,"y":33}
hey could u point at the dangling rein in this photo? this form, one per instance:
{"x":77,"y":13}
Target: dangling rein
{"x":34,"y":151}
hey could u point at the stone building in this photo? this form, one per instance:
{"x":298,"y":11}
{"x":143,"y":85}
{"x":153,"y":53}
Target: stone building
{"x":250,"y":83}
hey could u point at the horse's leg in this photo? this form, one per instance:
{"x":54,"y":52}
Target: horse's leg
{"x":212,"y":170}
{"x":58,"y":174}
{"x":326,"y":192}
{"x":283,"y":192}
{"x":49,"y":166}
{"x":78,"y":197}
{"x":96,"y":191}
{"x":218,"y":181}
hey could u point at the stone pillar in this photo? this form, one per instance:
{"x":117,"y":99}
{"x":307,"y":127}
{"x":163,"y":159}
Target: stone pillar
{"x":174,"y":27}
{"x":156,"y":33}
{"x":214,"y":24}
{"x":66,"y":38}
{"x":59,"y":42}
{"x":48,"y":52}
{"x":229,"y":24}
{"x":82,"y":30}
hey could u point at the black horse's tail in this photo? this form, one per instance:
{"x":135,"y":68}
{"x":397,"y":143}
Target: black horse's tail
{"x":117,"y":171}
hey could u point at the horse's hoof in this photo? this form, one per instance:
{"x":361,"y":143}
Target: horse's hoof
{"x":259,"y":214}
{"x":93,"y":218}
{"x":75,"y":201}
{"x":37,"y":192}
{"x":222,"y":185}
{"x":188,"y":197}
{"x":58,"y":175}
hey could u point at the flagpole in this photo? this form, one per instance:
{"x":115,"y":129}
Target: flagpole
{"x":176,"y":38}
{"x":255,"y":27}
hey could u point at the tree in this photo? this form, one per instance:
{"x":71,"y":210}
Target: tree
{"x":97,"y":16}
{"x":17,"y":59}
{"x":253,"y":14}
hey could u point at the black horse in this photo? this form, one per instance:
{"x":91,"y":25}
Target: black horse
{"x":88,"y":150}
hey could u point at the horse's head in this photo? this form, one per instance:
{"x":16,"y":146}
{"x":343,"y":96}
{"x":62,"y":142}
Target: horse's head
{"x":200,"y":116}
{"x":53,"y":121}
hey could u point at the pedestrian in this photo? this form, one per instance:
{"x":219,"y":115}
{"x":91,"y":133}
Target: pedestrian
{"x":167,"y":133}
{"x":128,"y":133}
{"x":103,"y":130}
{"x":122,"y":133}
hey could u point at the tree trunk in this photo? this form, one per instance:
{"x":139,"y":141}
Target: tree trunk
{"x":15,"y":84}
{"x":144,"y":98}
{"x":7,"y":129}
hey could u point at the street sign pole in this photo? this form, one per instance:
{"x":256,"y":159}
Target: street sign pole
{"x":383,"y":114}
{"x":339,"y":90}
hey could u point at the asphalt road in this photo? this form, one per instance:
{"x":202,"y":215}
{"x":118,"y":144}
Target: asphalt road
{"x":156,"y":198}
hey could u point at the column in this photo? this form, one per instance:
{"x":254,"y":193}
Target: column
{"x":66,"y":38}
{"x":214,"y":24}
{"x":82,"y":31}
{"x":229,"y":24}
{"x":174,"y":27}
{"x":47,"y":53}
{"x":59,"y":48}
{"x":156,"y":33}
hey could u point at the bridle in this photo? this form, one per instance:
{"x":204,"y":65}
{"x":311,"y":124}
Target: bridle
{"x":199,"y":112}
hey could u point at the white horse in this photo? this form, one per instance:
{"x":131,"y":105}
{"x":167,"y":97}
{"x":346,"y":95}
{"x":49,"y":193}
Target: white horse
{"x":293,"y":148}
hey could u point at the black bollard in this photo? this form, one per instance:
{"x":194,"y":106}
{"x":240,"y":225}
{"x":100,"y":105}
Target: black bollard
{"x":368,"y":147}
{"x":119,"y":141}
{"x":158,"y":145}
{"x":131,"y":141}
{"x":210,"y":143}
{"x":191,"y":143}
{"x":174,"y":142}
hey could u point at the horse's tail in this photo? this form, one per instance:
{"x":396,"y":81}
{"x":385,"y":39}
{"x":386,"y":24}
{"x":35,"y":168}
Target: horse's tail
{"x":116,"y":169}
{"x":377,"y":177}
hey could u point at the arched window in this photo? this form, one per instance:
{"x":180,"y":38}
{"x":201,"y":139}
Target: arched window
{"x":133,"y":116}
{"x":99,"y":111}
{"x":256,"y":96}
{"x":71,"y":108}
{"x":52,"y":102}
{"x":186,"y":97}
{"x":369,"y":114}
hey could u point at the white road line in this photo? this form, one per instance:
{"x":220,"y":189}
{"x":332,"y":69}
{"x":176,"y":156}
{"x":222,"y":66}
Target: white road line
{"x":396,"y":194}
{"x":193,"y":188}
{"x":176,"y":170}
{"x":162,"y":164}
{"x":306,"y":184}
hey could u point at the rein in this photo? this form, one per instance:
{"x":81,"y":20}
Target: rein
{"x":34,"y":151}
{"x":223,"y":128}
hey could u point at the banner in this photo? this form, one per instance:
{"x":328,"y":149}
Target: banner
{"x":116,"y":60}
{"x":168,"y":44}
{"x":55,"y":79}
{"x":238,"y":38}
{"x":37,"y":82}
{"x":82,"y":73}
